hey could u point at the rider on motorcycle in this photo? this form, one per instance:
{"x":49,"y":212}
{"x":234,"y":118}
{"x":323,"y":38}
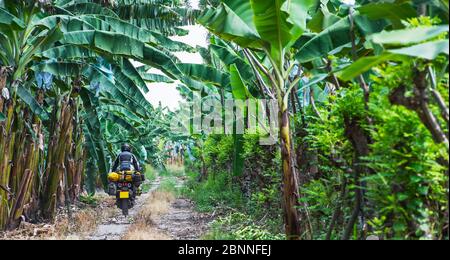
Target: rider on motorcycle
{"x":123,"y":162}
{"x":128,"y":166}
{"x":126,"y":159}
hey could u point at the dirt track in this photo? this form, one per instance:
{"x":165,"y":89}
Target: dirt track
{"x":182,"y":222}
{"x":156,"y":216}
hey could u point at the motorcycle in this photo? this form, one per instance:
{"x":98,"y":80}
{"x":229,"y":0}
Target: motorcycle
{"x":124,"y":185}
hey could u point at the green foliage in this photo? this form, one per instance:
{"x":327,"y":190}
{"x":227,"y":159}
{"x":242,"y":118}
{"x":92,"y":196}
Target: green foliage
{"x":169,"y":184}
{"x":256,"y":193}
{"x":262,"y":164}
{"x":89,"y":200}
{"x":150,"y":175}
{"x":172,"y":171}
{"x":406,"y":188}
{"x":409,"y":187}
{"x":218,"y":152}
{"x":329,"y":136}
{"x":216,"y":192}
{"x":403,"y":173}
{"x":238,"y":226}
{"x":89,"y":49}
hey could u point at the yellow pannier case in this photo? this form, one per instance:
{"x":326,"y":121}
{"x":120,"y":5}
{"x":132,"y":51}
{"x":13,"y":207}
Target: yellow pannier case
{"x":127,"y":176}
{"x":113,"y":177}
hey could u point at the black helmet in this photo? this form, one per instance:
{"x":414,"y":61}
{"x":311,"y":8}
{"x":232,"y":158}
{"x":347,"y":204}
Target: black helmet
{"x":126,"y":148}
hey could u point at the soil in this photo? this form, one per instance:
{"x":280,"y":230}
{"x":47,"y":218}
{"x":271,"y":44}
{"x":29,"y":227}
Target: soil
{"x":180,"y":221}
{"x":157,"y":215}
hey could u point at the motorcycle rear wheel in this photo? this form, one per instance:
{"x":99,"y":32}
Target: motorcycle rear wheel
{"x":124,"y":206}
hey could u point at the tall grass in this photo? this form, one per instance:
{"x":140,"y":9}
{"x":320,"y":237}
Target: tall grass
{"x":169,"y":185}
{"x":150,"y":173}
{"x":173,"y":170}
{"x":216,"y":192}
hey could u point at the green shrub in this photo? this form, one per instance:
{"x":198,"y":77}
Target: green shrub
{"x":214,"y":192}
{"x":405,"y":188}
{"x":172,"y":171}
{"x":150,"y":173}
{"x":169,"y":184}
{"x":89,"y":200}
{"x":238,"y":226}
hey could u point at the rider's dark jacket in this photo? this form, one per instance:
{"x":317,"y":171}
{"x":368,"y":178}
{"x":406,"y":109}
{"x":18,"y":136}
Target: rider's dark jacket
{"x":124,"y":160}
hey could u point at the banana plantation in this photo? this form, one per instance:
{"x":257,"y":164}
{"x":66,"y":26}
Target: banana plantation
{"x":305,"y":120}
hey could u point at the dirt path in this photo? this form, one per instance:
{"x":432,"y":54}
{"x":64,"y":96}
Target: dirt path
{"x":156,"y":216}
{"x":182,"y":222}
{"x":114,"y":227}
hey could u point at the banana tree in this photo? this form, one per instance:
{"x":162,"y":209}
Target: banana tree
{"x":22,"y":131}
{"x":370,"y":34}
{"x":406,"y":46}
{"x":227,"y":70}
{"x":274,"y":37}
{"x":165,"y":16}
{"x":268,"y":29}
{"x":64,"y":41}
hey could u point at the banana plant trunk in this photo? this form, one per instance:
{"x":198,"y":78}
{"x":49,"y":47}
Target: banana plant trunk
{"x":75,"y":158}
{"x":3,"y":77}
{"x":59,"y":144}
{"x":25,"y":165}
{"x":3,"y":137}
{"x":290,"y":182}
{"x":6,"y":151}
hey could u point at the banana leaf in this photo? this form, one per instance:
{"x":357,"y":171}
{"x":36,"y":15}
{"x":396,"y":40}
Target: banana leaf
{"x":10,"y":21}
{"x":205,"y":73}
{"x":28,"y":99}
{"x":239,"y":89}
{"x":409,"y":36}
{"x":95,"y":134}
{"x":152,"y":78}
{"x":394,"y":12}
{"x":428,"y":50}
{"x":229,"y":57}
{"x":233,"y":21}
